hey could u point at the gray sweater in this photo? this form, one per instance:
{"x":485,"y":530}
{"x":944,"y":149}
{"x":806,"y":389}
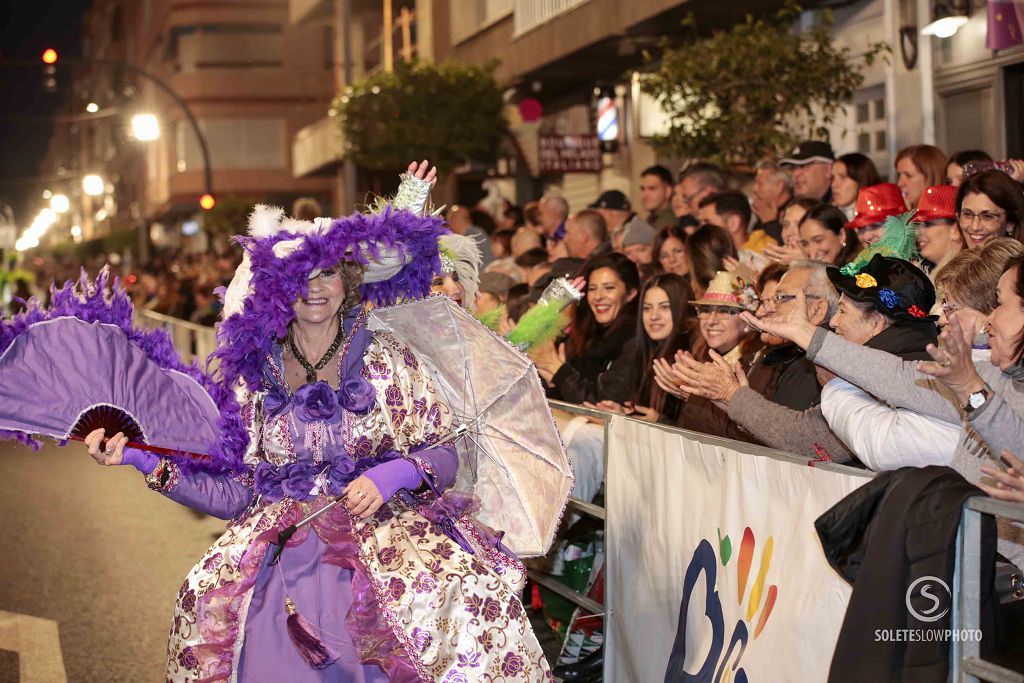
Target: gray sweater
{"x":996,"y":425}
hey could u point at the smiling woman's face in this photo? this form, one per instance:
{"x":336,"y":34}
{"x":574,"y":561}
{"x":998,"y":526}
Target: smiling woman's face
{"x":323,"y":299}
{"x":657,"y":314}
{"x":607,"y":294}
{"x":1006,"y":323}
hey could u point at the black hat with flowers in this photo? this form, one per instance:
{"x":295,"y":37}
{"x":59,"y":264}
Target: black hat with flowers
{"x":894,"y":287}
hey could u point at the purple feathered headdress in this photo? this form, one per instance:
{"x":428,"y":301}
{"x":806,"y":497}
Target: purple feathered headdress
{"x":279,"y":262}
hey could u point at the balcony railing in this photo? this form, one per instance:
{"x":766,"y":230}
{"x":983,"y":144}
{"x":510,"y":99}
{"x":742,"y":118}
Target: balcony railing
{"x":317,"y":147}
{"x":529,"y":14}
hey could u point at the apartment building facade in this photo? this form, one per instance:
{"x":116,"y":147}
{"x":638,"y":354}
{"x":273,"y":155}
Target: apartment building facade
{"x":567,"y":55}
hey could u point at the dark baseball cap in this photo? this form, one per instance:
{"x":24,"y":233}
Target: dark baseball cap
{"x":809,"y":152}
{"x":612,"y":199}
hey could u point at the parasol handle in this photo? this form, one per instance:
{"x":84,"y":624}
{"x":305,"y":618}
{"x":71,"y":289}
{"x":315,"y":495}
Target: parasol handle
{"x":156,"y":449}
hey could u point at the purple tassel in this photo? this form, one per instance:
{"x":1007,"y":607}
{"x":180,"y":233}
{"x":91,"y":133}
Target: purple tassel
{"x":303,"y":634}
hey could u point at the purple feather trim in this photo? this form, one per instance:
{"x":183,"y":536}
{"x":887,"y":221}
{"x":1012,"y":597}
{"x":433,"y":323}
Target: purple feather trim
{"x":22,"y":437}
{"x":246,"y":339}
{"x":103,"y":301}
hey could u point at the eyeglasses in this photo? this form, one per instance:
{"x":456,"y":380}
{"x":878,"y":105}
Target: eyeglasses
{"x":988,"y":219}
{"x":705,"y":311}
{"x":950,"y":309}
{"x":780,"y":299}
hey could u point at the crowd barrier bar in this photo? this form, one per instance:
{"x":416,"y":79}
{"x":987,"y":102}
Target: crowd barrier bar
{"x":191,"y":340}
{"x":967,"y":666}
{"x":582,"y":507}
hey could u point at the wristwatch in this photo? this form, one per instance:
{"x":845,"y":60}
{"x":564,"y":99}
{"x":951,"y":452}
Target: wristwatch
{"x":977,"y":399}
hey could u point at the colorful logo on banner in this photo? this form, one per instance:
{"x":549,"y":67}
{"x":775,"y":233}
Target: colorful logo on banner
{"x":722,"y":664}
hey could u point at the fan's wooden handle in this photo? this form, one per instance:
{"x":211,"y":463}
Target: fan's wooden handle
{"x":157,"y":449}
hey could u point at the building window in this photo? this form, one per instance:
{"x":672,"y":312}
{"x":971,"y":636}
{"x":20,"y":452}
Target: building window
{"x":474,"y":16}
{"x":868,"y":125}
{"x":227,"y":46}
{"x":233,"y":144}
{"x":529,"y":14}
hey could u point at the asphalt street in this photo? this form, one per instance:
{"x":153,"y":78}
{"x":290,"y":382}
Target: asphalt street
{"x":90,"y":563}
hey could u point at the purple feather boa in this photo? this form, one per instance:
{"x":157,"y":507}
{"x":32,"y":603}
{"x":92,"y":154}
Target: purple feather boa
{"x":106,"y":302}
{"x":246,"y":339}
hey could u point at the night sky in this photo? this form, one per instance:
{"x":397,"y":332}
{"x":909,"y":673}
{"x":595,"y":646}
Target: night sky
{"x":27,"y":28}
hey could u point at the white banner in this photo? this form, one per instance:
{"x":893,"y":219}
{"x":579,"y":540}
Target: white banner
{"x":735,"y":532}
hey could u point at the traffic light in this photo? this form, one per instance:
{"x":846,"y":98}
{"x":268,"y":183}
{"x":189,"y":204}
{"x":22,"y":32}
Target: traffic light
{"x":207,"y":202}
{"x":50,"y":70}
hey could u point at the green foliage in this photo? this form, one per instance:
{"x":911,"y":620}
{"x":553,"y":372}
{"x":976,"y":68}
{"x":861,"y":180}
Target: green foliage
{"x":449,"y":113}
{"x":742,"y":94}
{"x":228,"y":217}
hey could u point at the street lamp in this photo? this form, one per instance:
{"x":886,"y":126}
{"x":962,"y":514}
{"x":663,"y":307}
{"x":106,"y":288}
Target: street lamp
{"x":949,"y":15}
{"x":47,"y":217}
{"x":60,"y":203}
{"x":92,"y":107}
{"x":93,"y":185}
{"x":145,"y":127}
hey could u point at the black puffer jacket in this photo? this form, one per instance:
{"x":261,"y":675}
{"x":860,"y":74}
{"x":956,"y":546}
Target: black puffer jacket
{"x":895,"y":529}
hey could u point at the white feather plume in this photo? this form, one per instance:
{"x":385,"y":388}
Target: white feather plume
{"x":239,"y":289}
{"x":301,"y":227}
{"x":264,"y":220}
{"x":468,"y":261}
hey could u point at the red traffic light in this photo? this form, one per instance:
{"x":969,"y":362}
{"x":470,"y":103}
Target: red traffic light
{"x":207,"y":202}
{"x":50,"y":56}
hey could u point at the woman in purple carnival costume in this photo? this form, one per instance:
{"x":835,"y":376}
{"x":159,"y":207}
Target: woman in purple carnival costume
{"x":397,"y":582}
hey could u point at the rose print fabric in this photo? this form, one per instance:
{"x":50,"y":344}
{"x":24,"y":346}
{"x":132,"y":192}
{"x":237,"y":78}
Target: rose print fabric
{"x":405,"y":599}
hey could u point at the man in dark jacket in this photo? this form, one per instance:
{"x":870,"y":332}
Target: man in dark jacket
{"x":782,"y":373}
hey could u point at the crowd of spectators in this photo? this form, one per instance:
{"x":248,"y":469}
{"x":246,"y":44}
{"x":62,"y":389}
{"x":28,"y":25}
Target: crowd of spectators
{"x":741,"y":306}
{"x":745,"y":307}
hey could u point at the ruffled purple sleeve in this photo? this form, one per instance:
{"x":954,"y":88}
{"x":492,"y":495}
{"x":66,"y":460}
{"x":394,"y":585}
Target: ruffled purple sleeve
{"x":437,"y":466}
{"x":217,"y":495}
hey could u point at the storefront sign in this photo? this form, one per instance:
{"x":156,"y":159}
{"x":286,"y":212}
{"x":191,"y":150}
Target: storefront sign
{"x":570,"y":154}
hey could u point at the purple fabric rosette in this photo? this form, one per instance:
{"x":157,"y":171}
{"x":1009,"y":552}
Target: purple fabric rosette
{"x":356,"y":394}
{"x":317,"y":402}
{"x":295,"y":480}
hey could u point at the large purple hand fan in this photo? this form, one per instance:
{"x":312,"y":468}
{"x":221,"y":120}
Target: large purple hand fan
{"x":80,"y":364}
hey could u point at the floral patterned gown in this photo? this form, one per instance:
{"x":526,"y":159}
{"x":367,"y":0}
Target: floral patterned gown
{"x":418,"y":592}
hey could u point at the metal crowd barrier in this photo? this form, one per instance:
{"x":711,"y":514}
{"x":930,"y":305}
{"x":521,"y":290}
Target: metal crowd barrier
{"x":196,"y":342}
{"x":581,"y":506}
{"x":599,"y":512}
{"x":192,"y":341}
{"x":967,"y":666}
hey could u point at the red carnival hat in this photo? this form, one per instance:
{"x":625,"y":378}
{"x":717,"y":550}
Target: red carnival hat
{"x":937,"y":202}
{"x":875,"y":203}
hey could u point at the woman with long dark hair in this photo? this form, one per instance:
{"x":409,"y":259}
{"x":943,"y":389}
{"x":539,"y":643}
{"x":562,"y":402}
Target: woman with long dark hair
{"x":602,"y":326}
{"x":825,"y":237}
{"x":706,"y":251}
{"x":664,"y":327}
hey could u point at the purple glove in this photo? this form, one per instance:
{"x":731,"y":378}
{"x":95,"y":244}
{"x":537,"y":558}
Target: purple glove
{"x":143,"y":461}
{"x":393,"y":475}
